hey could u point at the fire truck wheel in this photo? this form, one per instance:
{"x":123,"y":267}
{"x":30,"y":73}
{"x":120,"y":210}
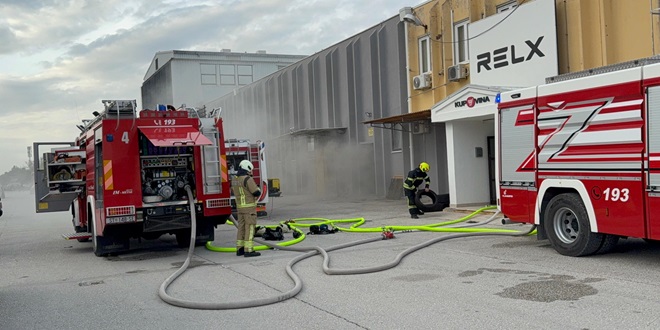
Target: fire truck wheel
{"x":567,"y":224}
{"x":183,"y":238}
{"x":609,"y":243}
{"x":652,"y":242}
{"x":78,"y":229}
{"x":97,"y":243}
{"x":151,"y":236}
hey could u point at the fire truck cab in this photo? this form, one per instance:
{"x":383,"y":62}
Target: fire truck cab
{"x":128,"y":176}
{"x":580,"y":157}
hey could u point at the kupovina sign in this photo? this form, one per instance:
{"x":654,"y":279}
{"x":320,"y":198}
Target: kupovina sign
{"x":471,"y":101}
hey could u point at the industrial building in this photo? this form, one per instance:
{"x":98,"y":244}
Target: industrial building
{"x":179,"y":77}
{"x":422,"y":86}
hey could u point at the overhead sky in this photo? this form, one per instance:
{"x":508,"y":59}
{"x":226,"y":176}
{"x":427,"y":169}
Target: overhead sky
{"x":60,"y":58}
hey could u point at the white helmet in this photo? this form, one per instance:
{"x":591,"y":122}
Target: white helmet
{"x":246,"y":165}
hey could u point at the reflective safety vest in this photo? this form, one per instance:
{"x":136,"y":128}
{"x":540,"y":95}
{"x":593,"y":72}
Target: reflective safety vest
{"x":244,"y":187}
{"x":415,"y":178}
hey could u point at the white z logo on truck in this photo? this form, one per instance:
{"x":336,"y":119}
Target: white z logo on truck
{"x":594,"y":134}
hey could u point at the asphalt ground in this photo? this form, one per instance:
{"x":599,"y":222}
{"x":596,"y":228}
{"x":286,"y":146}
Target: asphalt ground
{"x":493,"y":282}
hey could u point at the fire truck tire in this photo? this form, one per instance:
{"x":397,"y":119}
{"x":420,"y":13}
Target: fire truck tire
{"x":183,"y":238}
{"x":101,"y":243}
{"x":567,"y":224}
{"x":652,"y":242}
{"x":609,"y":243}
{"x":205,"y":233}
{"x":95,"y":241}
{"x":98,"y":242}
{"x":118,"y":244}
{"x":78,"y":229}
{"x":152,"y":236}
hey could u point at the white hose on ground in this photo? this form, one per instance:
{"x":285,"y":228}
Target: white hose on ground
{"x":487,"y":221}
{"x":310,"y":251}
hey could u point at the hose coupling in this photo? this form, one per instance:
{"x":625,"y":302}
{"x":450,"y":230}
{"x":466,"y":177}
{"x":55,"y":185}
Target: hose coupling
{"x":387,"y":234}
{"x":507,"y":221}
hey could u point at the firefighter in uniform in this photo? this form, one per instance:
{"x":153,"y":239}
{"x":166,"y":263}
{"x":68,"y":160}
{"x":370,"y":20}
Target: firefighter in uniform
{"x":414,"y":179}
{"x":246,"y":192}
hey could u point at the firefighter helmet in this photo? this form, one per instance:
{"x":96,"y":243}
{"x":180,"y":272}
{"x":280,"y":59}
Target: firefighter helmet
{"x":246,"y":165}
{"x":424,"y":166}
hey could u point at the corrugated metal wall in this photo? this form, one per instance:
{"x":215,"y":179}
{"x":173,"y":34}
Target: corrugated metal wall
{"x":310,"y":114}
{"x":158,"y":88}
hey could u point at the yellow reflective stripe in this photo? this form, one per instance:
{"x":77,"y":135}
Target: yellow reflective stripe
{"x":246,"y":205}
{"x":240,"y":190}
{"x":223,"y":168}
{"x":107,"y":175}
{"x":242,"y":203}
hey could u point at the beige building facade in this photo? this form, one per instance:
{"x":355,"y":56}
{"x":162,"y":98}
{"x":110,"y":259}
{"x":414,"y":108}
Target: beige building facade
{"x":461,"y":53}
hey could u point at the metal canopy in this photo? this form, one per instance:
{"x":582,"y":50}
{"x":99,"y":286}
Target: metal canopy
{"x":390,"y":122}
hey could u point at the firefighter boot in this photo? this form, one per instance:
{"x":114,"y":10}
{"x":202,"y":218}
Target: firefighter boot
{"x":420,"y":212}
{"x":414,"y":216}
{"x":251,"y":254}
{"x":413,"y":213}
{"x":240,"y":251}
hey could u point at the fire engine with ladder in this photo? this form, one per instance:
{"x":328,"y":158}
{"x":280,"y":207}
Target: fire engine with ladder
{"x":128,"y":176}
{"x":580,"y":157}
{"x":238,"y":150}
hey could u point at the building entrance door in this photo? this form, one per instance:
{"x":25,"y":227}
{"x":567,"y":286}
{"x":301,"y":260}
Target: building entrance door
{"x":491,"y":169}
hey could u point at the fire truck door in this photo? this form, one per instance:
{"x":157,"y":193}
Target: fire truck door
{"x":51,"y":194}
{"x":653,"y":167}
{"x":517,"y":152}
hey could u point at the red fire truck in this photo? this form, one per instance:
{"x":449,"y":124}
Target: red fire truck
{"x":128,"y":176}
{"x":580,"y":157}
{"x":238,"y":150}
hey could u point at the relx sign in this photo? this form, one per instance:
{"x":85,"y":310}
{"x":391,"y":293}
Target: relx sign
{"x":514,"y":48}
{"x":508,"y":55}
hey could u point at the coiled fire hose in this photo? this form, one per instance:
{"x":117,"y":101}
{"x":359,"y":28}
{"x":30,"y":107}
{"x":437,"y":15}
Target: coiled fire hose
{"x":310,"y":251}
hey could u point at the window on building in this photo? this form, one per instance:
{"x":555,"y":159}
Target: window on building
{"x":209,"y":75}
{"x":156,"y":64}
{"x":227,"y":74}
{"x":244,"y":74}
{"x":461,"y":42}
{"x":397,"y":138}
{"x":424,"y":54}
{"x":507,"y":6}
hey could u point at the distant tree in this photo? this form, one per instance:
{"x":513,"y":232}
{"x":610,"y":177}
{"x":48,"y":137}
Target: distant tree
{"x":18,"y":178}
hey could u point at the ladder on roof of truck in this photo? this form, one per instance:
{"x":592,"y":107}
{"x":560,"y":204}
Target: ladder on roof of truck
{"x":604,"y":69}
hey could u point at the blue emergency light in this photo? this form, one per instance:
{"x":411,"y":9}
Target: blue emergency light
{"x":498,"y":98}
